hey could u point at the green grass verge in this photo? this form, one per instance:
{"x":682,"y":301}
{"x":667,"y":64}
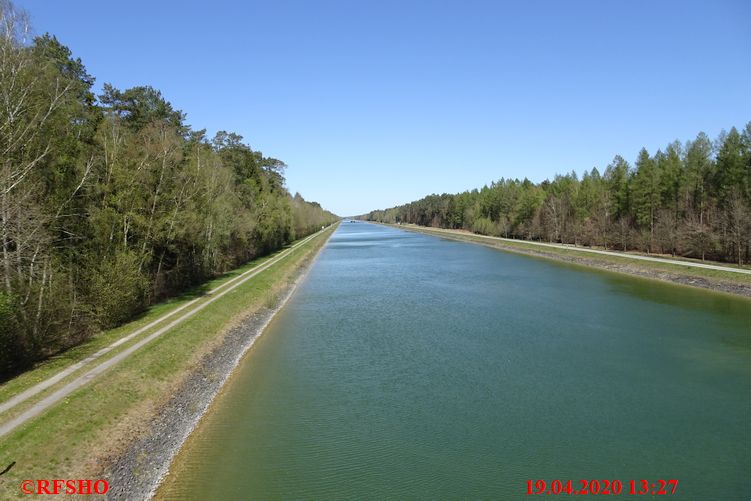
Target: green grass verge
{"x":72,"y":437}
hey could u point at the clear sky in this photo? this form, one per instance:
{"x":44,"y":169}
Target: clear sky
{"x":377,"y":103}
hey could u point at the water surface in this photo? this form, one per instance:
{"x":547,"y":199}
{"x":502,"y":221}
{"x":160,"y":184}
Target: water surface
{"x":412,"y":367}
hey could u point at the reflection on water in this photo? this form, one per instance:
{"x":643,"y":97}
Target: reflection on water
{"x":411,"y":367}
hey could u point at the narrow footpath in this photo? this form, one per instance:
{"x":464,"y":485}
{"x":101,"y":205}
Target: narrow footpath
{"x":39,"y":407}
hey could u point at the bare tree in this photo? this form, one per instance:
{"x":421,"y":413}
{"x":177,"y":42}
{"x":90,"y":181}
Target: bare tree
{"x":698,"y":235}
{"x":737,"y":218}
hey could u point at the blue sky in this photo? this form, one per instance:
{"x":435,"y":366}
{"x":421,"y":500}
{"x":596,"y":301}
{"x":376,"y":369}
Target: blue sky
{"x":377,"y":103}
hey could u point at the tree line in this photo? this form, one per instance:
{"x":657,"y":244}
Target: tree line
{"x":109,"y":203}
{"x":691,"y":200}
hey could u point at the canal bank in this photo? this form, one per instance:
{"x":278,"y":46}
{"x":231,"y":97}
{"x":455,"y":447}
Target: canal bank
{"x":663,"y":270}
{"x":137,"y":471}
{"x":93,"y":428}
{"x":411,"y":367}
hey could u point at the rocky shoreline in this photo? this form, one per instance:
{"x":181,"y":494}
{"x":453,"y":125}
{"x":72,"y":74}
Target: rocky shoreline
{"x":136,"y":473}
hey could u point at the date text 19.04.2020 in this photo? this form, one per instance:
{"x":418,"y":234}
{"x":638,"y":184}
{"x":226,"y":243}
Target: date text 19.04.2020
{"x":602,"y":487}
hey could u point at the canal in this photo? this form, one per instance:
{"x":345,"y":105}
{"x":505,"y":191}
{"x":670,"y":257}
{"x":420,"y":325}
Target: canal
{"x":411,"y":367}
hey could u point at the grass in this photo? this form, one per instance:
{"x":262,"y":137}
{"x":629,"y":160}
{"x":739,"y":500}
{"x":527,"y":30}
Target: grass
{"x":74,"y":437}
{"x":56,"y":363}
{"x":552,"y":252}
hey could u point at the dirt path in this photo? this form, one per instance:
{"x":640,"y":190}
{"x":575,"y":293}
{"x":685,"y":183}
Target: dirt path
{"x":40,"y":406}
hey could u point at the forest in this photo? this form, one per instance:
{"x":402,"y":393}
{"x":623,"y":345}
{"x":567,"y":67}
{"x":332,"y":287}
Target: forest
{"x":691,"y":200}
{"x":111,"y":202}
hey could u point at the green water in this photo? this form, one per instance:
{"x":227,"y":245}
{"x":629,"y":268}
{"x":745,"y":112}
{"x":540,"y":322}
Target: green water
{"x":411,"y":367}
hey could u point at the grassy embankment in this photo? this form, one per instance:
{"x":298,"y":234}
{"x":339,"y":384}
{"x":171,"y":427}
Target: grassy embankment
{"x":573,"y":255}
{"x":73,"y":437}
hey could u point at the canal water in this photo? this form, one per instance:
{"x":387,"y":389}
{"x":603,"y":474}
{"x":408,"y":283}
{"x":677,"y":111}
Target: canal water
{"x":411,"y":367}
